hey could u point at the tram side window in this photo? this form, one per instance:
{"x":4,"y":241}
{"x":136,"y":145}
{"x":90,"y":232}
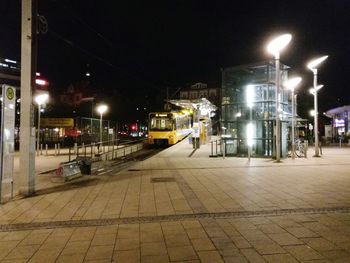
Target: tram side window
{"x":161,"y":124}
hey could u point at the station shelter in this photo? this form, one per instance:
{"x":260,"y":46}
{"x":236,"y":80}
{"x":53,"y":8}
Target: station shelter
{"x":202,"y":112}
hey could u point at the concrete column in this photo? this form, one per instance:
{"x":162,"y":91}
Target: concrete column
{"x":28,"y":69}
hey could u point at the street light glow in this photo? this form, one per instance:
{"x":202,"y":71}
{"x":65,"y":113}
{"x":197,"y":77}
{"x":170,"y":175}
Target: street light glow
{"x":41,"y":98}
{"x":292,"y":83}
{"x":102,"y":109}
{"x":312,"y":90}
{"x":312,"y":65}
{"x":277,"y":44}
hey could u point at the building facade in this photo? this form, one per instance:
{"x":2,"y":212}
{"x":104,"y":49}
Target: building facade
{"x":235,"y":113}
{"x":201,"y":90}
{"x":340,"y":126}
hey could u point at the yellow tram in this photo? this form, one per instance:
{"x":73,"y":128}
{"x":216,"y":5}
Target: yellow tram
{"x":167,"y":128}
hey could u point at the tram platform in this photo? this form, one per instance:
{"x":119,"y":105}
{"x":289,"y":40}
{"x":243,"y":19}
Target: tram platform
{"x":182,"y":206}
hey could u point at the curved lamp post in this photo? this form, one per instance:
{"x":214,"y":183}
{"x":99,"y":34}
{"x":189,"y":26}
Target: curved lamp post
{"x":291,"y":84}
{"x":313,"y":66}
{"x":40,"y":99}
{"x":101,"y":109}
{"x":274,"y":48}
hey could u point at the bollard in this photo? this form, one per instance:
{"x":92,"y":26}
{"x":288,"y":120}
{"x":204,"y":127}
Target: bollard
{"x":41,"y":149}
{"x":92,"y":150}
{"x":55,"y":149}
{"x":75,"y":148}
{"x":306,"y":148}
{"x":59,"y":148}
{"x":69,"y":154}
{"x":216,"y":147}
{"x":46,"y":148}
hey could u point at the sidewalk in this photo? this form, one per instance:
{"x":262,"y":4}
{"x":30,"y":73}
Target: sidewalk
{"x":176,"y":208}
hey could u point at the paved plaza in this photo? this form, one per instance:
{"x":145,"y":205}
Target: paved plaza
{"x":180,"y":206}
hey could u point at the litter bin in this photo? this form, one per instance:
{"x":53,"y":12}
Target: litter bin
{"x":85,"y":166}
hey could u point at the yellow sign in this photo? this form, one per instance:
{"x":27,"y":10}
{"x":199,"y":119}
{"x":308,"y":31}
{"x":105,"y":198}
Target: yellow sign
{"x":57,"y":122}
{"x":10,"y":93}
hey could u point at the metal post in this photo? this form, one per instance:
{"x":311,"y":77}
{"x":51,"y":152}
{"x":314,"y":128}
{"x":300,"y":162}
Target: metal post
{"x":293,"y":135}
{"x":69,"y":154}
{"x":38,"y":132}
{"x":41,"y":149}
{"x":46,"y":148}
{"x":278,"y":124}
{"x":101,"y":128}
{"x":55,"y":149}
{"x":59,"y":148}
{"x":317,"y":152}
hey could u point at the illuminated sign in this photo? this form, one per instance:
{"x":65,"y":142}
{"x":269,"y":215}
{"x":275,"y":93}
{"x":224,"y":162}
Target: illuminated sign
{"x":339,"y":123}
{"x":57,"y":122}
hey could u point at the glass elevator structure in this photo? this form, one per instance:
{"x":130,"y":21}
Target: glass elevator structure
{"x":236,"y":115}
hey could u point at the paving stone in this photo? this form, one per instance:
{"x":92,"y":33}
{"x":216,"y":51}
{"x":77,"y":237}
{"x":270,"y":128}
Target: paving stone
{"x":23,"y":252}
{"x":127,"y":244}
{"x":301,"y":232}
{"x":73,"y":258}
{"x":210,"y":257}
{"x":46,"y":254}
{"x":153,"y":248}
{"x":240,"y":242}
{"x":202,"y":244}
{"x":340,"y":255}
{"x":181,"y":253}
{"x":278,"y":258}
{"x":303,"y":252}
{"x":267,"y":247}
{"x":130,"y":256}
{"x":103,"y":240}
{"x":155,"y":259}
{"x":320,"y":244}
{"x":76,"y":247}
{"x":271,"y":229}
{"x":284,"y":239}
{"x":252,"y":255}
{"x":100,"y":252}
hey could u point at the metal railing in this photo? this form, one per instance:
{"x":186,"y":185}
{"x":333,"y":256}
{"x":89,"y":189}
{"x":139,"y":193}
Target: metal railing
{"x":214,"y":146}
{"x":107,"y":150}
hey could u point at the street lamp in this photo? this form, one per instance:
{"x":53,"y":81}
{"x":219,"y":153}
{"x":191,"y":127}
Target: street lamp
{"x":313,"y":65}
{"x":274,"y":48}
{"x":101,"y":109}
{"x":291,"y":84}
{"x":40,"y":99}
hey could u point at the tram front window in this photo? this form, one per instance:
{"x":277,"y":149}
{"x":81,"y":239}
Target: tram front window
{"x":161,"y":124}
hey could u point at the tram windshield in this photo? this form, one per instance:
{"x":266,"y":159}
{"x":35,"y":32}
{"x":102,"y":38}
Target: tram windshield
{"x":161,"y":122}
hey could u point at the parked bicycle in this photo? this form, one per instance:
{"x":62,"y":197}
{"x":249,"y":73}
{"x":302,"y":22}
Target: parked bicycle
{"x":299,"y":148}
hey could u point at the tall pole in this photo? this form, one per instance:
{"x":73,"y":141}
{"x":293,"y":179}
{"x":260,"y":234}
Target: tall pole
{"x":38,"y":133}
{"x":28,"y":69}
{"x":293,"y":128}
{"x":317,"y":153}
{"x":278,"y":124}
{"x":101,"y":127}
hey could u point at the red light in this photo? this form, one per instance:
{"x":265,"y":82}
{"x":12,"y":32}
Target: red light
{"x":133,"y":127}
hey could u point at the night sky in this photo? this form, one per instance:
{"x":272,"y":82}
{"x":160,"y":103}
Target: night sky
{"x":135,"y":49}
